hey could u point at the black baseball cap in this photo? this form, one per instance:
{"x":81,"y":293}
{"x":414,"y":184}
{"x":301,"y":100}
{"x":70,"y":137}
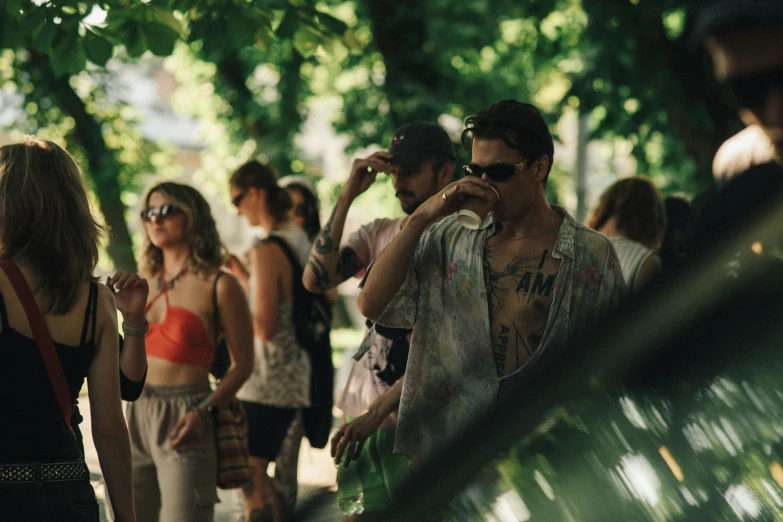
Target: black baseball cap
{"x":416,"y":142}
{"x":714,"y":14}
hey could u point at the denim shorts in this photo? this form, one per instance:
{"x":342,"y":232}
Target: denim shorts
{"x":66,"y":501}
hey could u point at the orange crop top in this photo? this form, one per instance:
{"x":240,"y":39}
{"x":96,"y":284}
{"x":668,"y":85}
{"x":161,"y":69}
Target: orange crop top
{"x":180,"y":338}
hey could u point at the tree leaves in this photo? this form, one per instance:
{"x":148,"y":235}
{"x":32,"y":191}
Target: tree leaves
{"x":44,"y":37}
{"x":97,"y":48}
{"x":160,"y":39}
{"x":67,"y":55}
{"x":306,"y":41}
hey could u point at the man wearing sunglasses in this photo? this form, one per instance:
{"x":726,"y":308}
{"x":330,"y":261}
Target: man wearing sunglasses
{"x":745,"y":43}
{"x":487,"y":306}
{"x":420,"y":161}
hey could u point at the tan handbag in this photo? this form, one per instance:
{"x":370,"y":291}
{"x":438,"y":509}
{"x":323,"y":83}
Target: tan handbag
{"x":233,"y":470}
{"x":233,"y":467}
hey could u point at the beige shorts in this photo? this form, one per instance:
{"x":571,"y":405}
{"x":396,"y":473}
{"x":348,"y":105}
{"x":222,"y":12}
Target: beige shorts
{"x":169,"y":485}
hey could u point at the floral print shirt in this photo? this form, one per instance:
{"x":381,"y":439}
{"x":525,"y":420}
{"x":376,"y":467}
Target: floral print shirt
{"x":451,"y":375}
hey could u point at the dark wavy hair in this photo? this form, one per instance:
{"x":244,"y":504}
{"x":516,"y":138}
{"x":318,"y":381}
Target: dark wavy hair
{"x":207,"y":252}
{"x":46,"y":221}
{"x":311,"y":208}
{"x":638,"y":208}
{"x":257,"y":175}
{"x":519,"y":125}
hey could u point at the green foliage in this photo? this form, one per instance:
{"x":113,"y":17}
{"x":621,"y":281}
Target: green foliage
{"x":59,"y":50}
{"x":628,"y":64}
{"x":248,"y":69}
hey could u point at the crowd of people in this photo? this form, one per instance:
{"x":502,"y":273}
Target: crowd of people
{"x":481,"y":283}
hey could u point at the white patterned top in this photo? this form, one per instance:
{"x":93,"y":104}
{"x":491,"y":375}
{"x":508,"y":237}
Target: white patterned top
{"x":281,"y":372}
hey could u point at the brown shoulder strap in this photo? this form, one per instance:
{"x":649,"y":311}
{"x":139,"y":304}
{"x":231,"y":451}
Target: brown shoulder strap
{"x":43,"y":338}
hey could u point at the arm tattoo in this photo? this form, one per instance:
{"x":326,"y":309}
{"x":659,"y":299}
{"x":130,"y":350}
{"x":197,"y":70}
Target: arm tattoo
{"x":319,"y":273}
{"x":349,"y":263}
{"x":323,"y":242}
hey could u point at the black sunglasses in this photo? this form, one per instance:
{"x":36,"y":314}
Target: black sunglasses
{"x":497,"y":172}
{"x":750,"y":91}
{"x":161,"y":212}
{"x":236,"y":200}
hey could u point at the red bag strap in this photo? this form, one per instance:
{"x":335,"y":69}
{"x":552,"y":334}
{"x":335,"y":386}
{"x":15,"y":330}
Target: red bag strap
{"x":43,"y":338}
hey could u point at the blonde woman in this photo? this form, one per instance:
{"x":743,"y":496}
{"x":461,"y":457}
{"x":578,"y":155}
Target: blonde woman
{"x":49,"y":244}
{"x":171,"y":430}
{"x":631,"y":214}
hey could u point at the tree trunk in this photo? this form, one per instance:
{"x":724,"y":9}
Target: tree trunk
{"x":412,"y":80}
{"x":275,"y":138}
{"x":582,"y":140}
{"x":103,"y":167}
{"x":702,"y":137}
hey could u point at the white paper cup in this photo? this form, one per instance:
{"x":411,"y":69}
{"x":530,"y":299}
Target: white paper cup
{"x":476,"y":211}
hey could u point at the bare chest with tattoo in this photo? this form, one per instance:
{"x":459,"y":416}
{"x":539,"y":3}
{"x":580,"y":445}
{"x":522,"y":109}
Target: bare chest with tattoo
{"x":520,"y":281}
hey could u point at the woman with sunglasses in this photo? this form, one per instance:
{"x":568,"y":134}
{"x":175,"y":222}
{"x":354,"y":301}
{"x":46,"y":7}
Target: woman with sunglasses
{"x":171,"y":424}
{"x":280,"y":383}
{"x":631,"y":214}
{"x":58,"y":325}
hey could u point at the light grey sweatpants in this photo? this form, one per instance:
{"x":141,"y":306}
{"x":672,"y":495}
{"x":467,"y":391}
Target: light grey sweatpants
{"x":169,"y":485}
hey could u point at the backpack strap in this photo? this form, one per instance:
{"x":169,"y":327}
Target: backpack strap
{"x":279,"y":241}
{"x":215,"y":307}
{"x":43,"y":338}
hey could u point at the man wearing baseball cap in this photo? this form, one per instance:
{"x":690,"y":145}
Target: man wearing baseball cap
{"x":420,"y":160}
{"x":744,"y":41}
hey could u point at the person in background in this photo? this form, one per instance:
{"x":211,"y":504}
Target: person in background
{"x":675,"y":244}
{"x":279,"y":385}
{"x":306,"y":208}
{"x":631,"y":214}
{"x":171,"y":424}
{"x":49,"y":235}
{"x":305,"y":213}
{"x":420,"y":160}
{"x":743,"y":40}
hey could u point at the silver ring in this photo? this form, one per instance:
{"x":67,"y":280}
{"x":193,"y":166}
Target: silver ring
{"x":445,"y":196}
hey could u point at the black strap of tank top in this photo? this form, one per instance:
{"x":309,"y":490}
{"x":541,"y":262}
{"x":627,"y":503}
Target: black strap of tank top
{"x":90,"y":312}
{"x":3,"y":314}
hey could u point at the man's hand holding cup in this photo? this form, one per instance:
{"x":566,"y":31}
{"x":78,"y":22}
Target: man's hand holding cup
{"x":470,"y":193}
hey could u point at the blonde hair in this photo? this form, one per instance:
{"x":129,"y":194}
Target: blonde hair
{"x":207,"y":252}
{"x":638,"y":208}
{"x":46,"y":221}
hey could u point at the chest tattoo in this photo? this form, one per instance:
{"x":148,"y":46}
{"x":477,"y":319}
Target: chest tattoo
{"x":518,"y":296}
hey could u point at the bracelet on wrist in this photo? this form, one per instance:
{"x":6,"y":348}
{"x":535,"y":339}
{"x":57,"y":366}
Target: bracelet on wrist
{"x":201,"y":412}
{"x":135,"y":331}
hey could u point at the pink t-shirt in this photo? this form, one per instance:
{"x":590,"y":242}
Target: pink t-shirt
{"x":363,"y":385}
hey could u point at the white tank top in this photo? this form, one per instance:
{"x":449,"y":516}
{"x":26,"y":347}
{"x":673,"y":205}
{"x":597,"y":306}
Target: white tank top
{"x":281,"y":370}
{"x":632,"y":256}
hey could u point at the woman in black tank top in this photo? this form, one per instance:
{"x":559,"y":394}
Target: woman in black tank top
{"x":57,"y":326}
